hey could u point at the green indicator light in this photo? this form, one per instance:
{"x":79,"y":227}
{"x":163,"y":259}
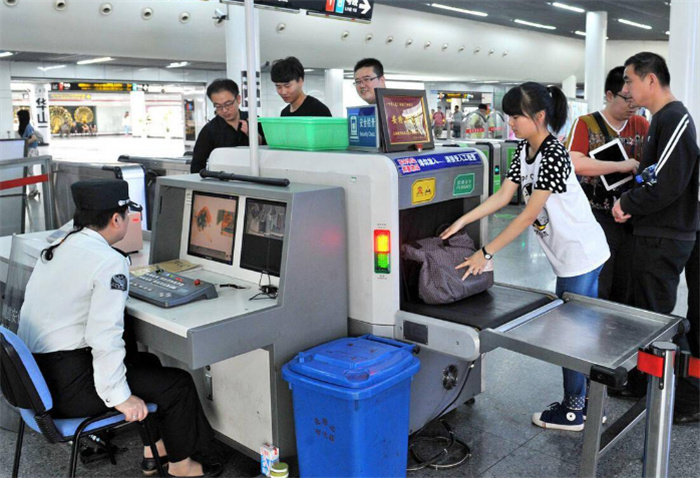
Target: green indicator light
{"x":382,"y":263}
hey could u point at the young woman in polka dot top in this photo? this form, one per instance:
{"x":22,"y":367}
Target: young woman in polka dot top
{"x":558,"y":213}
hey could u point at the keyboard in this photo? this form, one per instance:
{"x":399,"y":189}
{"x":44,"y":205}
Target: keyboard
{"x":166,"y":289}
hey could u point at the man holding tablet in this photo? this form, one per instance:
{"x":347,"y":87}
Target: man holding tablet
{"x":590,"y":132}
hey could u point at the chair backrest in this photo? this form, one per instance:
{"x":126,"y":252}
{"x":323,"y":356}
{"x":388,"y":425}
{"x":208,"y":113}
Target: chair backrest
{"x":22,"y":382}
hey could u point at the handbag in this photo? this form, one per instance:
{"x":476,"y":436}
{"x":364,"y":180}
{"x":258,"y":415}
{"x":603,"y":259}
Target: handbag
{"x":438,"y":281}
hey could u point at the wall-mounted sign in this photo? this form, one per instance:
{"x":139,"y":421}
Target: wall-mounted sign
{"x":350,"y":9}
{"x":363,"y":128}
{"x":85,"y":86}
{"x":430,"y":162}
{"x":404,"y":119}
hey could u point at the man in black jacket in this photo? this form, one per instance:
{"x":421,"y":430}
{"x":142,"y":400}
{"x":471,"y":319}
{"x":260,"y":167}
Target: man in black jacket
{"x":228,"y":128}
{"x":665,"y":212}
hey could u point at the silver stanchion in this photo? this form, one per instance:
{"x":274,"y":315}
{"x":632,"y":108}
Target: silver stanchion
{"x":660,"y":397}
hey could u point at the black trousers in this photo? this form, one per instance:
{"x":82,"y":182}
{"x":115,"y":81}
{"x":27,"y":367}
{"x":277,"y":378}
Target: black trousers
{"x":180,"y":419}
{"x":656,"y":271}
{"x":615,"y":280}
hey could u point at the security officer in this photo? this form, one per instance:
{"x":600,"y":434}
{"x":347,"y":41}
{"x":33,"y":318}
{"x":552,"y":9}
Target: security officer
{"x":72,"y":320}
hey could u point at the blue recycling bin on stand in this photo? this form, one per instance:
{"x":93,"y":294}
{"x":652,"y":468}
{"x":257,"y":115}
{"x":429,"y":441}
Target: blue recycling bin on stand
{"x":351,"y":407}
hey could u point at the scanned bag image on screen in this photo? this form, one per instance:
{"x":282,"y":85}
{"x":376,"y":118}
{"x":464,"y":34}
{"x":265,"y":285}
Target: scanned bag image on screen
{"x":213,"y":226}
{"x":263,"y":236}
{"x":265,"y":219}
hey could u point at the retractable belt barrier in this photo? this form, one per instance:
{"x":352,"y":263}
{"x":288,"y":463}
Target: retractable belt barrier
{"x":16,"y":183}
{"x":685,"y":364}
{"x":663,"y":363}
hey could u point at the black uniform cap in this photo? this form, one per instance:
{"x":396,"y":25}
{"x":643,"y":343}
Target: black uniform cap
{"x":102,"y":194}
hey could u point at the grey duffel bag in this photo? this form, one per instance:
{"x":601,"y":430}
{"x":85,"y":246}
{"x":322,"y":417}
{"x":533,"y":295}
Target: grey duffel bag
{"x":439,"y":282}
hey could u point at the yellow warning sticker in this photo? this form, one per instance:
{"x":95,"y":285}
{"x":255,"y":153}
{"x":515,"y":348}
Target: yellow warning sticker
{"x":423,"y":190}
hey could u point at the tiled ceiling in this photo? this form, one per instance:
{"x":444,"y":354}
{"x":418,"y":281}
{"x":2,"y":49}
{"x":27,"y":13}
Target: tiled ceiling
{"x":654,"y":13}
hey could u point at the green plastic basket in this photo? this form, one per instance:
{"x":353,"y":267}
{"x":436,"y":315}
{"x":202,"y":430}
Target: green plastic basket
{"x":306,"y":133}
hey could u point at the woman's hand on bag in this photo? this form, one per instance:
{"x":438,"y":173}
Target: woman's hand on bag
{"x":474,"y":264}
{"x":454,"y":228}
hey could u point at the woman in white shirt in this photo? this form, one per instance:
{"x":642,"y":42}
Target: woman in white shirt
{"x":559,"y":214}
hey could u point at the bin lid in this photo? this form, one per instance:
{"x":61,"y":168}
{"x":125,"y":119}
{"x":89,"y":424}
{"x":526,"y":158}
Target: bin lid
{"x":354,"y":362}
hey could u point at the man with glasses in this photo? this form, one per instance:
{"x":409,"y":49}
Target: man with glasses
{"x":369,"y":74}
{"x":227,"y":129}
{"x":616,"y":120}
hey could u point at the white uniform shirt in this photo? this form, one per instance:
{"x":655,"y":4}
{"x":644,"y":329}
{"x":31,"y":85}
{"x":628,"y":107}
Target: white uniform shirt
{"x":77,"y":300}
{"x":569,"y":234}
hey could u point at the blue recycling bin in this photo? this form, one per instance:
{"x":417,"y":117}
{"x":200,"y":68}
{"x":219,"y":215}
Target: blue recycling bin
{"x":351,"y":407}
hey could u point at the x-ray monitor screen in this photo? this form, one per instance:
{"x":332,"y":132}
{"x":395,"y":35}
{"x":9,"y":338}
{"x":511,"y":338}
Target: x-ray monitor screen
{"x":213,"y":226}
{"x":263,"y":236}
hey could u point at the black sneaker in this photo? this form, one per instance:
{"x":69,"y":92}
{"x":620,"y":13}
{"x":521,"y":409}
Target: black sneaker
{"x":559,"y":417}
{"x":585,"y":409}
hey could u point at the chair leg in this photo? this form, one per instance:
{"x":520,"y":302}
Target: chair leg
{"x":110,"y":451}
{"x":74,"y":456}
{"x":146,"y":424}
{"x":18,"y":448}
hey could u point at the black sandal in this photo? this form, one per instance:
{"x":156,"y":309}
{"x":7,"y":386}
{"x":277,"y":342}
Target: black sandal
{"x":149,"y":467}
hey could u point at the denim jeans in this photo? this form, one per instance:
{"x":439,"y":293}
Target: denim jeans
{"x":575,"y":382}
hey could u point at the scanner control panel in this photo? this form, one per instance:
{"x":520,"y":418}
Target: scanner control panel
{"x":165,"y":289}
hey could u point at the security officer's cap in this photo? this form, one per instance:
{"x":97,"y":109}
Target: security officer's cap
{"x":102,"y":194}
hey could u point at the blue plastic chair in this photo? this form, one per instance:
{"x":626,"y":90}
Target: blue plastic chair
{"x":23,"y":385}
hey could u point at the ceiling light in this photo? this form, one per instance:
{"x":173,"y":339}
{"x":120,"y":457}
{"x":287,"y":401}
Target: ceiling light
{"x":536,"y":25}
{"x":5,"y":53}
{"x":568,"y":7}
{"x":668,"y":33}
{"x":491,"y":81}
{"x":460,"y":10}
{"x":634,"y":24}
{"x":47,"y":68}
{"x":583,"y":34}
{"x":308,"y":69}
{"x":95,"y":60}
{"x":178,"y":64}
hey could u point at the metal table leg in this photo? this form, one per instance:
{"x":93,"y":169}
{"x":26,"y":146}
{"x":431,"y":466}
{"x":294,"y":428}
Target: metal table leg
{"x":591,"y":433}
{"x":660,"y":399}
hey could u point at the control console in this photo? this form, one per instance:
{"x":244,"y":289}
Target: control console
{"x":166,"y":289}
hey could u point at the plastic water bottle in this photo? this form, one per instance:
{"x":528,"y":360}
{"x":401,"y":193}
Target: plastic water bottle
{"x":647,"y":177}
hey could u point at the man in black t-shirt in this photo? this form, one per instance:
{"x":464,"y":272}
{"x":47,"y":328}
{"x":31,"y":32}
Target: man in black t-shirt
{"x":227,"y":129}
{"x":288,"y":77}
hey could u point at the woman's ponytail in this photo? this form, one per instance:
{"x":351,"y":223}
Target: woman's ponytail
{"x":557,"y":116}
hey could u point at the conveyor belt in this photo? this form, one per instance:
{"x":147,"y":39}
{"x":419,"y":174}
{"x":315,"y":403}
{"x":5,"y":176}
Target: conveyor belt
{"x":490,"y":309}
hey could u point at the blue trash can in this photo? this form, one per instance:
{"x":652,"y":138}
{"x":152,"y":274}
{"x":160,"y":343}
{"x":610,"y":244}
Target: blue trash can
{"x":351,"y":407}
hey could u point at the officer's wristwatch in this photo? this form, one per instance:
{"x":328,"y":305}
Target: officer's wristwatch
{"x":486,"y":254}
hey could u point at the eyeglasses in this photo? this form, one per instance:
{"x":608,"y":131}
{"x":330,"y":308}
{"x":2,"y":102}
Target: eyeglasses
{"x":225,"y":106}
{"x":628,"y":99}
{"x":364,"y":81}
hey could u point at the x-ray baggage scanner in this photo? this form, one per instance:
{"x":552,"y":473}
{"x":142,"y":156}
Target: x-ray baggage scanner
{"x":277,"y":257}
{"x":395,"y":198}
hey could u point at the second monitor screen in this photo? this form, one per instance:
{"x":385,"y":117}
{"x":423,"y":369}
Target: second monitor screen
{"x":261,"y":248}
{"x":213,"y":226}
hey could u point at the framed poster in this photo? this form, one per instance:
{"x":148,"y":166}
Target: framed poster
{"x":404,"y":119}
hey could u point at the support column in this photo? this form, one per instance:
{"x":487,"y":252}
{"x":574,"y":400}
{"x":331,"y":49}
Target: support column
{"x":333,"y":95}
{"x":5,"y":101}
{"x":596,"y":31}
{"x":684,"y":55}
{"x":568,"y":86}
{"x":236,"y":53}
{"x":39,"y":103}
